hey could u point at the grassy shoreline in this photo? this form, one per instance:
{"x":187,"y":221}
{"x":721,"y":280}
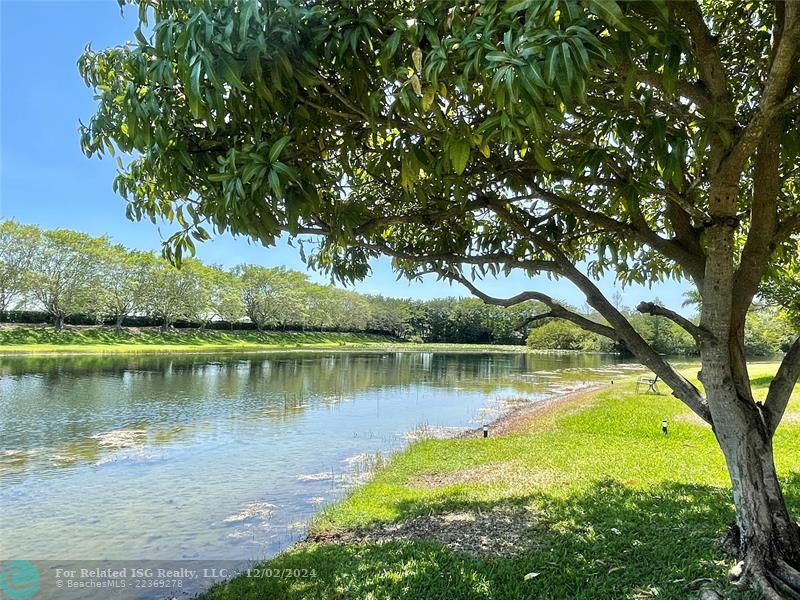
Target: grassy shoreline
{"x":583,"y":498}
{"x":96,"y":340}
{"x":27,"y":340}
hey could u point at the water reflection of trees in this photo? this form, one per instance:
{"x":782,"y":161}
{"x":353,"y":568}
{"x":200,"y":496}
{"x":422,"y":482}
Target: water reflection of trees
{"x":60,"y":402}
{"x":471,"y":363}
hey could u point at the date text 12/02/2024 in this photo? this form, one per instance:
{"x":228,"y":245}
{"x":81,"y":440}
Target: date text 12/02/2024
{"x":280,"y":573}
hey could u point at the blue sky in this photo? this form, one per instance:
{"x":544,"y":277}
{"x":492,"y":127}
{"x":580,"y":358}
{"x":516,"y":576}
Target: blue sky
{"x":47,"y":181}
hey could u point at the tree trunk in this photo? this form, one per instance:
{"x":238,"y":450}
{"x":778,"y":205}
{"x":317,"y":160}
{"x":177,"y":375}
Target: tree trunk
{"x":58,"y":322}
{"x":768,"y":537}
{"x":118,"y":322}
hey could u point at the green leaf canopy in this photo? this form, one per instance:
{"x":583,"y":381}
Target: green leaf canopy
{"x":400,"y":127}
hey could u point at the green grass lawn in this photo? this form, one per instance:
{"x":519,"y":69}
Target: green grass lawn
{"x":614,"y":509}
{"x":26,"y":340}
{"x":103,"y":339}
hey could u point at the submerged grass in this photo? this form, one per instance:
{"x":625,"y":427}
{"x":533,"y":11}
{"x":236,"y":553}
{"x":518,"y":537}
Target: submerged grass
{"x":613,"y":509}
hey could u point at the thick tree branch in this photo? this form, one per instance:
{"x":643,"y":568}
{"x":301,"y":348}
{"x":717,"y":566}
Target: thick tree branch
{"x":784,"y":58}
{"x":531,"y":266}
{"x":787,"y":104}
{"x":691,"y":91}
{"x":556,"y":309}
{"x":749,"y":139}
{"x":684,"y":204}
{"x":685,"y":232}
{"x":693,"y":264}
{"x":649,"y":308}
{"x":533,"y":318}
{"x":789,"y":227}
{"x":682,"y":388}
{"x":774,"y":101}
{"x":780,"y":390}
{"x":764,"y":234}
{"x":709,"y":62}
{"x":763,"y":222}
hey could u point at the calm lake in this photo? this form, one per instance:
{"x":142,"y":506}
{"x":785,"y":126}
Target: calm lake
{"x":227,"y":456}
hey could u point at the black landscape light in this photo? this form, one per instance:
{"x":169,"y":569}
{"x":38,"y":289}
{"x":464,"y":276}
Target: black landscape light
{"x":485,"y":431}
{"x":664,"y":426}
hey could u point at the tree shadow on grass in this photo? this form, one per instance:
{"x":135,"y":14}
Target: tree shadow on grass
{"x":608,"y":541}
{"x":762,"y":381}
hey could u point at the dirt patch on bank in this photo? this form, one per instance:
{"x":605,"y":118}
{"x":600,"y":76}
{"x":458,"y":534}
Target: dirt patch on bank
{"x":531,"y":416}
{"x":509,"y":474}
{"x":501,"y":532}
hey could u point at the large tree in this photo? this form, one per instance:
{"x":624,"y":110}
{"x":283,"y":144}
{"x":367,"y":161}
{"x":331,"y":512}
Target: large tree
{"x":124,"y":281}
{"x":272,"y":297}
{"x":653,"y":139}
{"x":170,"y":294}
{"x":65,"y":274}
{"x":17,"y":245}
{"x":224,"y":291}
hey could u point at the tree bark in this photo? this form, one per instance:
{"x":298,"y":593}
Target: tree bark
{"x":769,"y":539}
{"x":769,"y":546}
{"x":58,"y":322}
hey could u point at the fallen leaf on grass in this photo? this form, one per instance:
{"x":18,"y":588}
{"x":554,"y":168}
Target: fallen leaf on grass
{"x":615,"y":569}
{"x":530,"y":576}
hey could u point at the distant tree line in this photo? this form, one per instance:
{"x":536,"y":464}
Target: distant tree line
{"x":63,"y":276}
{"x":66,"y":277}
{"x":770,"y":329}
